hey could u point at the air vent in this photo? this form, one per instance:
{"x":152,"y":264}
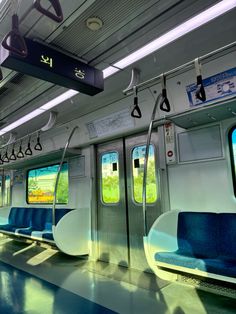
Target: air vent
{"x":17,"y":78}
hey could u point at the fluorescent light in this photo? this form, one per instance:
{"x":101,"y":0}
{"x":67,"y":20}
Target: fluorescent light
{"x":177,"y":32}
{"x":52,"y":103}
{"x":21,"y":121}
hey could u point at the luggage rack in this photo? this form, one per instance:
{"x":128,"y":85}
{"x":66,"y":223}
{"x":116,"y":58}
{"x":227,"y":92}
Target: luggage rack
{"x":204,"y":114}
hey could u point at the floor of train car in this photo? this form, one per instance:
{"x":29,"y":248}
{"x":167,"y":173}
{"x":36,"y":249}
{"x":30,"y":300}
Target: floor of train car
{"x":60,"y":284}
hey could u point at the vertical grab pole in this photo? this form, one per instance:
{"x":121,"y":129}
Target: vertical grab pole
{"x":58,"y":176}
{"x":158,"y":100}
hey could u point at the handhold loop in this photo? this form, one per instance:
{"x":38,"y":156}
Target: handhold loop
{"x":20,"y":153}
{"x":57,"y":17}
{"x":200,"y":92}
{"x":28,"y":150}
{"x":14,"y":41}
{"x":13,"y":155}
{"x":38,"y":145}
{"x":5,"y":158}
{"x":165,"y":104}
{"x":136,"y":112}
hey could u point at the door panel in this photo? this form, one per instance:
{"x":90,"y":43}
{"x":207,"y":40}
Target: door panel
{"x":112,"y":212}
{"x":120,"y":211}
{"x":135,"y":147}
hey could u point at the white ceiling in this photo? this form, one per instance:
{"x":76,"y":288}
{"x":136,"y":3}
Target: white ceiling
{"x":128,"y":25}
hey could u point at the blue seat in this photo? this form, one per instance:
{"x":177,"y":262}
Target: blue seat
{"x":206,"y":241}
{"x":25,"y":221}
{"x":19,"y":217}
{"x":37,"y":222}
{"x":196,"y":234}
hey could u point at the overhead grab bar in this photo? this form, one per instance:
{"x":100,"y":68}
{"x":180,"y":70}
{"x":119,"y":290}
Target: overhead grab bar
{"x":165,"y":104}
{"x":136,"y":112}
{"x":58,"y":176}
{"x":144,"y":195}
{"x":200,"y":92}
{"x":180,"y":68}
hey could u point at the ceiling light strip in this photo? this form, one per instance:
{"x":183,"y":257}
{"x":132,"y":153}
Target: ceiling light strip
{"x":177,"y":32}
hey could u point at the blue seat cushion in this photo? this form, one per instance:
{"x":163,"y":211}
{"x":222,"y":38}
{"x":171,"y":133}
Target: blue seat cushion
{"x":197,"y":234}
{"x":8,"y":227}
{"x":48,"y":236}
{"x":175,"y":258}
{"x":224,"y":267}
{"x":227,"y":231}
{"x":25,"y":231}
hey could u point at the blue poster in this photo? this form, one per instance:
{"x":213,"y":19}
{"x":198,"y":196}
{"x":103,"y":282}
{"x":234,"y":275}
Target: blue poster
{"x":216,"y":87}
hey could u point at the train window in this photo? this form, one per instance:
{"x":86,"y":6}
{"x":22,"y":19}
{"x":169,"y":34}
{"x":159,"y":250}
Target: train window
{"x":41,"y":183}
{"x":110,"y":178}
{"x":7,"y":190}
{"x":138,"y":155}
{"x":232,"y":141}
{"x":1,"y":190}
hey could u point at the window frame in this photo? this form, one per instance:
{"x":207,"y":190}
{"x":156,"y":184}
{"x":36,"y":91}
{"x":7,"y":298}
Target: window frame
{"x":132,"y":176}
{"x":45,"y":166}
{"x":101,"y":177}
{"x":232,"y":161}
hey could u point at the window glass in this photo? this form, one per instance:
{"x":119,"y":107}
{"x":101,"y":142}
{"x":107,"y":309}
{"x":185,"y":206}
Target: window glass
{"x":1,"y":190}
{"x":7,"y":191}
{"x":233,"y":155}
{"x":41,"y":184}
{"x":110,"y":178}
{"x":138,"y":155}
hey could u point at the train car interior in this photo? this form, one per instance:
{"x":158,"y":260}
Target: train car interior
{"x":117,"y":156}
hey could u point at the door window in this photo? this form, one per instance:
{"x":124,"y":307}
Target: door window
{"x":138,"y":155}
{"x":110,"y":178}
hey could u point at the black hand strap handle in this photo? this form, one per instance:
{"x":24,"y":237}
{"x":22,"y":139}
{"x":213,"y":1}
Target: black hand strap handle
{"x":28,"y":150}
{"x":20,"y":153}
{"x":165,"y":104}
{"x":57,"y":17}
{"x":136,"y":112}
{"x":14,"y":41}
{"x":200,"y":91}
{"x":38,"y":145}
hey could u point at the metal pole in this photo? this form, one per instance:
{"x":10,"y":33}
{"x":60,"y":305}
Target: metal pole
{"x":58,"y":176}
{"x":146,"y":164}
{"x":186,"y":65}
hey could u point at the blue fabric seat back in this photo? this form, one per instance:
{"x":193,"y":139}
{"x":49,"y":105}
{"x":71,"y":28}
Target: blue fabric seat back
{"x":38,"y":218}
{"x":23,"y":217}
{"x":197,"y":234}
{"x":48,"y":219}
{"x":227,"y":235}
{"x":60,"y":212}
{"x":12,"y":218}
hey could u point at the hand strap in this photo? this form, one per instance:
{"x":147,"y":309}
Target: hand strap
{"x":14,"y":41}
{"x":200,"y":91}
{"x":57,"y":17}
{"x":136,"y":112}
{"x":165,"y":104}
